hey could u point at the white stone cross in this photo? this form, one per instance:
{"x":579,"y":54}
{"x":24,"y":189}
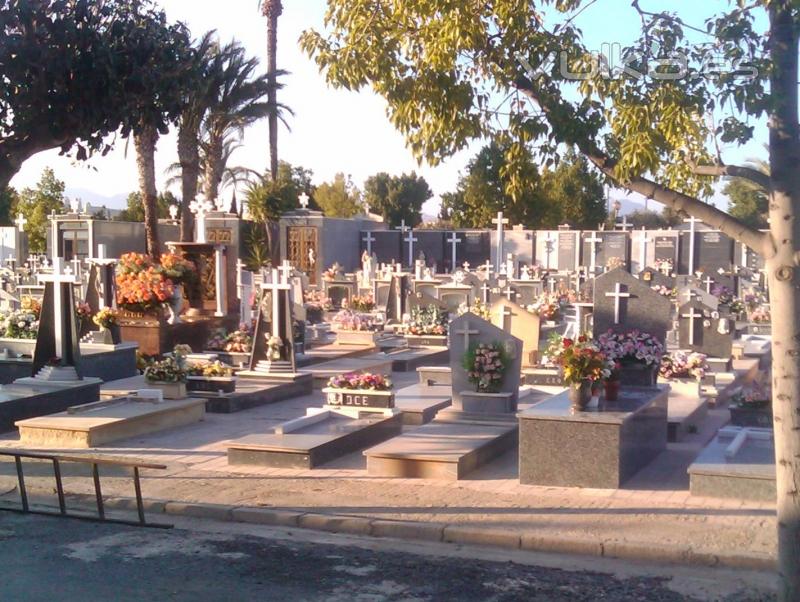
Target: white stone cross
{"x":643,"y":239}
{"x":466,"y":332}
{"x":509,"y":293}
{"x":624,"y":225}
{"x":500,"y":221}
{"x":453,"y":240}
{"x":274,"y":285}
{"x":708,"y":281}
{"x":76,"y":266}
{"x":402,"y":227}
{"x":593,"y":240}
{"x":59,"y":277}
{"x":286,"y":270}
{"x":466,"y":265}
{"x":507,"y":314}
{"x":20,"y":222}
{"x":200,"y":209}
{"x":369,"y":239}
{"x":618,"y":295}
{"x":303,"y":200}
{"x":692,"y":221}
{"x":692,"y":316}
{"x":485,"y":289}
{"x":411,"y":239}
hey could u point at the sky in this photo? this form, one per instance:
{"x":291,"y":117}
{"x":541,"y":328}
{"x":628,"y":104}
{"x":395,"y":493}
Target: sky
{"x":331,"y":130}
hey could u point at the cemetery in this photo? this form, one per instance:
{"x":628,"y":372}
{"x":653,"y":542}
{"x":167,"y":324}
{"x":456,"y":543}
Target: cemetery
{"x":525,"y":368}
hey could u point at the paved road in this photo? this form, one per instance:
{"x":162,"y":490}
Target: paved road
{"x":51,"y":560}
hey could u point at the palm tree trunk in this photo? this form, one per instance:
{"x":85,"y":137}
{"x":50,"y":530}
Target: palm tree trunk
{"x":273,"y":10}
{"x":214,"y":167}
{"x":784,"y":145}
{"x":189,"y":158}
{"x":145,"y":144}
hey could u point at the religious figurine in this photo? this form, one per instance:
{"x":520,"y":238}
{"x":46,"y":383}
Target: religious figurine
{"x":312,"y":259}
{"x":525,"y":273}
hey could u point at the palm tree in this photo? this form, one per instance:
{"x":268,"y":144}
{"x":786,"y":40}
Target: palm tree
{"x":272,"y":9}
{"x":145,"y":144}
{"x":205,"y":64}
{"x":241,"y":99}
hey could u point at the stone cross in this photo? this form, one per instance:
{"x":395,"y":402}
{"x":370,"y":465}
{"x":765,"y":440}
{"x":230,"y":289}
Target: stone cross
{"x":509,"y":293}
{"x":500,"y":221}
{"x":411,"y":239}
{"x":286,"y":270}
{"x":593,"y":240}
{"x":20,"y":222}
{"x":692,"y":316}
{"x":274,"y":285}
{"x":624,"y":225}
{"x":200,"y":209}
{"x":369,"y":239}
{"x":402,"y":227}
{"x":507,"y":314}
{"x":549,"y":247}
{"x":173,"y":212}
{"x":453,"y":240}
{"x":692,"y":221}
{"x":76,"y":266}
{"x":466,"y":265}
{"x":708,"y":281}
{"x":303,"y":200}
{"x":485,"y":289}
{"x":58,"y":277}
{"x":511,"y":268}
{"x":618,"y":295}
{"x":488,"y":268}
{"x":644,"y":239}
{"x":466,"y":332}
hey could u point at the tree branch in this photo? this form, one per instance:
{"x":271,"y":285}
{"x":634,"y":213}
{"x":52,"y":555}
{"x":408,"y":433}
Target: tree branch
{"x":758,"y":241}
{"x":732,"y":171}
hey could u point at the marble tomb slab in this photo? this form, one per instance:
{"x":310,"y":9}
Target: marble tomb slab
{"x":420,"y":403}
{"x":377,"y":364}
{"x":23,"y":401}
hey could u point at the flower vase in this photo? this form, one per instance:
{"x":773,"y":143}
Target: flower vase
{"x":612,"y":390}
{"x":175,"y":305}
{"x":580,"y":394}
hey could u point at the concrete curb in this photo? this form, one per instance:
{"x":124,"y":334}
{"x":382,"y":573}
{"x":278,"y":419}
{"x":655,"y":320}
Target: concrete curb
{"x":444,"y":533}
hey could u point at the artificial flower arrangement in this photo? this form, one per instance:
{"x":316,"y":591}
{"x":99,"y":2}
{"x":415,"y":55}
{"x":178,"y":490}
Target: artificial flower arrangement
{"x":430,"y":320}
{"x":168,"y":370}
{"x":665,"y":291}
{"x":141,"y":286}
{"x":214,"y":369}
{"x":177,"y":268}
{"x":19,"y":324}
{"x":547,"y":307}
{"x":664,"y":266}
{"x":580,"y":359}
{"x":634,"y":347}
{"x":754,"y":396}
{"x":347,"y":319}
{"x":478,"y":308}
{"x":216,"y":341}
{"x":761,"y":315}
{"x":752,"y":301}
{"x":83,"y":310}
{"x":680,"y":364}
{"x":614,"y":262}
{"x":361,"y":382}
{"x":239,"y":341}
{"x":105,"y":318}
{"x":274,"y":346}
{"x":364,"y":303}
{"x":486,"y":364}
{"x":31,"y":305}
{"x":317,"y":300}
{"x":737,"y":307}
{"x":723,"y":294}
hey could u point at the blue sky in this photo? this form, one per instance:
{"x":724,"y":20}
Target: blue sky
{"x":331,"y":130}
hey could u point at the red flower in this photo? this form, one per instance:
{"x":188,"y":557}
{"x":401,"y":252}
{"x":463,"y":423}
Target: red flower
{"x":567,"y":343}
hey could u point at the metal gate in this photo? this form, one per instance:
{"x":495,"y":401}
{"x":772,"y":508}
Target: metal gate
{"x":302,"y":250}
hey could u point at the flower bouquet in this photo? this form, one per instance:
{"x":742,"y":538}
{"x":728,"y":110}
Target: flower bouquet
{"x":177,"y":268}
{"x":363,"y":303}
{"x":106,"y":321}
{"x":105,"y":318}
{"x":583,"y":366}
{"x":167,"y":375}
{"x":211,"y":377}
{"x":486,"y":365}
{"x":637,"y":353}
{"x":547,"y":307}
{"x":664,"y":266}
{"x":239,"y":341}
{"x":83,"y":310}
{"x":665,"y":291}
{"x":680,"y":364}
{"x":761,"y":315}
{"x":141,"y":287}
{"x":359,"y":390}
{"x":478,"y":308}
{"x":31,"y":306}
{"x":19,"y":324}
{"x":274,"y":347}
{"x":216,"y":341}
{"x":427,"y":321}
{"x":347,"y":319}
{"x":752,"y":406}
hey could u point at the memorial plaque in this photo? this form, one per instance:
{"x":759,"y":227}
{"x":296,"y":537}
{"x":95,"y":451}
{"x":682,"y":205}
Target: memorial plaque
{"x":714,"y":252}
{"x":520,"y":244}
{"x":474,"y":249}
{"x":666,"y":248}
{"x":359,"y":399}
{"x":702,"y":329}
{"x":431,"y":244}
{"x":615,"y":245}
{"x":386,"y":246}
{"x":567,"y":250}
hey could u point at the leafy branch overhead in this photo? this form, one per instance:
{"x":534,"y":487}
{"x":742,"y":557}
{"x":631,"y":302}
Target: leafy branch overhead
{"x":451,"y":77}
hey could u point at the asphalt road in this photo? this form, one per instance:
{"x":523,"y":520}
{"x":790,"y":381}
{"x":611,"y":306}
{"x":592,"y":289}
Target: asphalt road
{"x":49,"y":560}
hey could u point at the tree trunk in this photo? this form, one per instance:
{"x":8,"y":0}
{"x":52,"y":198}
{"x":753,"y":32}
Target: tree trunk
{"x":273,"y":10}
{"x":214,"y":167}
{"x":784,"y":150}
{"x":145,"y":144}
{"x":189,"y":158}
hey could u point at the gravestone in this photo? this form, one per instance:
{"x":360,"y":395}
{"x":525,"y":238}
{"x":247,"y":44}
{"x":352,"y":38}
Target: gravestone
{"x":432,"y":244}
{"x":623,"y":303}
{"x":714,"y":252}
{"x":467,"y":330}
{"x":666,"y":248}
{"x":387,"y":245}
{"x":567,"y":251}
{"x":475,"y":249}
{"x":274,"y":320}
{"x":521,"y":324}
{"x":421,"y":299}
{"x":703,"y":330}
{"x":396,"y":302}
{"x":93,"y":292}
{"x":687,"y":294}
{"x":615,"y":246}
{"x":652,"y":277}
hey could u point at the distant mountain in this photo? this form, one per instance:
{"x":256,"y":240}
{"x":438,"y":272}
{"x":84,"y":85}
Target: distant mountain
{"x":117,"y":201}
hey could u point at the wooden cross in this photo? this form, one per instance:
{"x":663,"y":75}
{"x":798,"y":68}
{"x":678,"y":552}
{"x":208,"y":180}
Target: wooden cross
{"x":369,"y":239}
{"x":500,"y":221}
{"x":692,"y":316}
{"x":618,"y":295}
{"x":466,"y":332}
{"x":453,"y":240}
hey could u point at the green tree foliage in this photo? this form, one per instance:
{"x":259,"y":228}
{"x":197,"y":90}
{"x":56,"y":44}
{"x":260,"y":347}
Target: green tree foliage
{"x":36,"y":204}
{"x":571,"y":193}
{"x":397,"y":198}
{"x":267,"y":199}
{"x":134,"y":212}
{"x":8,"y":198}
{"x":748,"y":203}
{"x":339,"y":198}
{"x":652,"y":220}
{"x":108,"y":47}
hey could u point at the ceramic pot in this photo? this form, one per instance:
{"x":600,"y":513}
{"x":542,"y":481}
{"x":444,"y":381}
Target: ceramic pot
{"x":580,"y":394}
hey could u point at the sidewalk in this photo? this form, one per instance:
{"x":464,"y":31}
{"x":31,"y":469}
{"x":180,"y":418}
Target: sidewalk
{"x":655,"y":519}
